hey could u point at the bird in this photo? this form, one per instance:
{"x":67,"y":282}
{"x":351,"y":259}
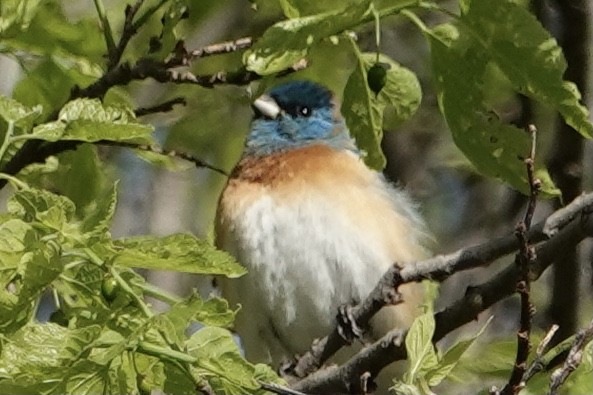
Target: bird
{"x":312,"y":224}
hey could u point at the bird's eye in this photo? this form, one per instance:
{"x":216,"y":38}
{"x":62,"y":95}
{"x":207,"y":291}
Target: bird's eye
{"x":304,"y":111}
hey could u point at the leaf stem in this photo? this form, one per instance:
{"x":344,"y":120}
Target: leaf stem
{"x":100,"y":7}
{"x":126,"y":287}
{"x":7,"y":139}
{"x":157,"y":293}
{"x":158,"y":351}
{"x":18,"y":184}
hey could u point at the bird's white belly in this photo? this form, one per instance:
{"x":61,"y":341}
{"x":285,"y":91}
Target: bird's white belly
{"x":305,"y":257}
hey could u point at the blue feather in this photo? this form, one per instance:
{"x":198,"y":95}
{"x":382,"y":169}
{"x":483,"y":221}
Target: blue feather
{"x":308,"y":118}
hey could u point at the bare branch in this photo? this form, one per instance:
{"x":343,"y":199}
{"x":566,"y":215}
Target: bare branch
{"x":573,"y":360}
{"x":221,"y":48}
{"x":128,"y":32}
{"x":162,"y":151}
{"x":523,"y":260}
{"x":538,"y":363}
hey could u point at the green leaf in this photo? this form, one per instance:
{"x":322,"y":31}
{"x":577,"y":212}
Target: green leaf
{"x":38,"y":355}
{"x":36,"y":270}
{"x":212,"y":312}
{"x":51,"y":32}
{"x":179,"y":252}
{"x":421,"y":353}
{"x":220,"y":362}
{"x":168,"y":37}
{"x":97,"y":223}
{"x":22,"y":116}
{"x":451,"y":358}
{"x":296,"y":8}
{"x":363,"y":110}
{"x":529,"y":56}
{"x":16,"y":15}
{"x":287,"y":42}
{"x":501,"y":356}
{"x":52,"y":210}
{"x":88,"y":120}
{"x":51,"y":93}
{"x":165,"y":161}
{"x":401,"y":388}
{"x":494,"y":148}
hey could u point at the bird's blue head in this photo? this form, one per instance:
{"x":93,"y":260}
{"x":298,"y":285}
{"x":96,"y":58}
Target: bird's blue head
{"x":295,"y":115}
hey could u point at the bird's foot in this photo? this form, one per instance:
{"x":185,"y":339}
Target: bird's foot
{"x":347,"y":326}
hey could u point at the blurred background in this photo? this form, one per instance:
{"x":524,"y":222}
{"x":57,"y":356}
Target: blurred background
{"x":461,"y":207}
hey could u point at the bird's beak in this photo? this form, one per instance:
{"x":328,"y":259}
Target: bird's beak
{"x":267,"y":107}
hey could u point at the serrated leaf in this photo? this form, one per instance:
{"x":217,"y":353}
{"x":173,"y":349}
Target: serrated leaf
{"x":212,"y":312}
{"x":15,"y":120}
{"x":507,"y":31}
{"x":220,"y":362}
{"x":287,"y":42}
{"x":15,"y":16}
{"x":22,"y":116}
{"x":179,"y":252}
{"x":89,"y":120}
{"x":37,"y":349}
{"x":36,"y":270}
{"x":98,"y":222}
{"x":363,"y":109}
{"x":494,"y":148}
{"x":54,"y":211}
{"x":452,"y":357}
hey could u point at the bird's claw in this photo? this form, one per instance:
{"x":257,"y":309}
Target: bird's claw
{"x":347,"y":326}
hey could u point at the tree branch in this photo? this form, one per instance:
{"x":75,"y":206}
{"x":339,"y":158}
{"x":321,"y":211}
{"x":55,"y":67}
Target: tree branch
{"x":538,"y":363}
{"x":167,"y":152}
{"x":477,"y":298}
{"x":163,"y":107}
{"x":523,"y":260}
{"x":573,"y":360}
{"x":129,"y":30}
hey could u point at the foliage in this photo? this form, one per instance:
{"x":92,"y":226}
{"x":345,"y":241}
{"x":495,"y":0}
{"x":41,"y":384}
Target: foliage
{"x":54,"y":237}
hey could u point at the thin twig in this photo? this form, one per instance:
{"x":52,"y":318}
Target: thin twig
{"x":149,"y":68}
{"x":128,"y":32}
{"x":538,"y":363}
{"x":573,"y":360}
{"x":221,"y":48}
{"x":107,"y":32}
{"x":163,"y":107}
{"x":523,"y":260}
{"x":162,"y":151}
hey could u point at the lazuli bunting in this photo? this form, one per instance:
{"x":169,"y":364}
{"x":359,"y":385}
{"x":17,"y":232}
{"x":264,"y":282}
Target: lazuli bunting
{"x":313,"y":225}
